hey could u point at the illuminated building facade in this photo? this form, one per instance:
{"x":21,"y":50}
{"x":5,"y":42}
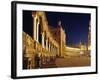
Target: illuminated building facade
{"x":46,"y":43}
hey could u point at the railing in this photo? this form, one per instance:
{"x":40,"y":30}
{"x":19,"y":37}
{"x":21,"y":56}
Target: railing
{"x":28,"y":43}
{"x":32,"y":48}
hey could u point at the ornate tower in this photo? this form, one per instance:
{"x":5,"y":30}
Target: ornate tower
{"x":62,"y":39}
{"x":89,"y":37}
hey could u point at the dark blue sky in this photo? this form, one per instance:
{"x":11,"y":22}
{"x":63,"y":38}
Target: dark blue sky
{"x":75,"y":25}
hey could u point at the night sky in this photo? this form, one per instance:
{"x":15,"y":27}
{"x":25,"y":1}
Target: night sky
{"x":75,"y":25}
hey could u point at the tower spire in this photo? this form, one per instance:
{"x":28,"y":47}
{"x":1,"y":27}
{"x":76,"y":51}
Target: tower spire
{"x":59,"y":23}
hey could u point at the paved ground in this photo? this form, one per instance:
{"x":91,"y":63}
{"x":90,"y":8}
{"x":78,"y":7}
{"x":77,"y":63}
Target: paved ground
{"x":69,"y":62}
{"x":73,"y":61}
{"x":49,"y":65}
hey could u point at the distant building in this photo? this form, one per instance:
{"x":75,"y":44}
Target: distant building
{"x":89,"y":37}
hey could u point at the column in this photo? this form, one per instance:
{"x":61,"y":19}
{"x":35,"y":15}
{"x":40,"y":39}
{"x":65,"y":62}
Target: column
{"x":54,"y":50}
{"x":51,"y":48}
{"x":37,"y":30}
{"x":47,"y":43}
{"x":34,"y":27}
{"x":43,"y":39}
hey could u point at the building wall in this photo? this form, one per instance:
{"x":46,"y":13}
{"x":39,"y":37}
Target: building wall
{"x":28,"y":52}
{"x":71,"y":51}
{"x":60,"y":36}
{"x":42,"y":45}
